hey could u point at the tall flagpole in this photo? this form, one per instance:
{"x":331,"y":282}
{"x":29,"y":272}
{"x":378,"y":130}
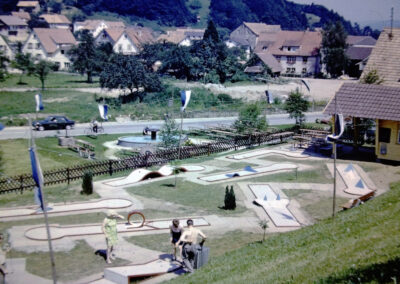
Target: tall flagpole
{"x":44,"y":207}
{"x":334,"y":162}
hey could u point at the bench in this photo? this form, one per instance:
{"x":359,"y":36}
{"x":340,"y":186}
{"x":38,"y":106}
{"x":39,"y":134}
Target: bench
{"x":85,"y":149}
{"x":356,"y":202}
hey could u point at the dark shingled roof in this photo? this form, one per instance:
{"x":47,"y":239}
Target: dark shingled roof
{"x":366,"y":101}
{"x":358,"y":52}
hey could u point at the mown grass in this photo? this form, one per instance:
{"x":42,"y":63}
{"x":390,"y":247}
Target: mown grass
{"x":358,"y":246}
{"x":317,"y":175}
{"x":54,"y":80}
{"x":206,"y":198}
{"x":81,"y":262}
{"x":79,"y":106}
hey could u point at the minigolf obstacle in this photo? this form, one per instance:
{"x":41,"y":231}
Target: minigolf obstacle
{"x":143,"y":174}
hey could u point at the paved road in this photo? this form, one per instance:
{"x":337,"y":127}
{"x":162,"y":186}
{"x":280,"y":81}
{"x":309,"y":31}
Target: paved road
{"x":137,"y":126}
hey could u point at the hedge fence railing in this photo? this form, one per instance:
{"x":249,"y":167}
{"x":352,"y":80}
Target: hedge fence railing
{"x":66,"y":175}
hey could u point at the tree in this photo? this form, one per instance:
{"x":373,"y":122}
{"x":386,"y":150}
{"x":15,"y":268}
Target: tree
{"x":296,"y":105}
{"x":85,"y":57}
{"x":372,"y":77}
{"x":250,"y":119}
{"x":333,"y":49}
{"x":264,"y":225}
{"x":211,"y":33}
{"x":128,"y":73}
{"x":87,"y":183}
{"x":169,"y":133}
{"x":42,"y":69}
{"x":230,"y":199}
{"x":24,"y":63}
{"x":3,"y":66}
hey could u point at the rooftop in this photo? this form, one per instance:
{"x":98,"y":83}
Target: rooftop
{"x":52,"y":38}
{"x":12,"y":21}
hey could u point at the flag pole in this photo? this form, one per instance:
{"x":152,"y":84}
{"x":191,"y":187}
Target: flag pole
{"x":44,"y":207}
{"x":334,"y":163}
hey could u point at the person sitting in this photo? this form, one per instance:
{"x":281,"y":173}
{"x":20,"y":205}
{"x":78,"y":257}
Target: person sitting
{"x":175,"y":231}
{"x":189,"y":239}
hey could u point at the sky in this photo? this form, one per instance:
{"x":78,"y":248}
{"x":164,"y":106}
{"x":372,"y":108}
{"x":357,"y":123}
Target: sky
{"x":363,"y":12}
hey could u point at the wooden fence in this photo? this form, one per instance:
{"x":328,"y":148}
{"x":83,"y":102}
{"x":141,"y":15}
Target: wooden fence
{"x":66,"y":175}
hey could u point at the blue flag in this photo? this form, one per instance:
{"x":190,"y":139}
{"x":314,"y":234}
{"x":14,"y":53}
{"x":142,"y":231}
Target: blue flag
{"x":103,"y":109}
{"x":1,"y":126}
{"x":37,"y":177}
{"x":39,"y":103}
{"x":185,"y":98}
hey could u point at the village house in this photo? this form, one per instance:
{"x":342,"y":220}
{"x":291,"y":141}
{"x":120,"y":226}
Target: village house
{"x":28,"y":6}
{"x":14,"y":28}
{"x":25,"y":16}
{"x":380,"y":103}
{"x":96,"y":26}
{"x":51,"y":45}
{"x":5,"y":48}
{"x":126,"y":40}
{"x":385,"y":57}
{"x":182,"y":36}
{"x":56,"y":21}
{"x":247,"y":35}
{"x":358,"y":50}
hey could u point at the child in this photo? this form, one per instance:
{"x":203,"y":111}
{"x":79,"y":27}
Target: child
{"x":176,"y":232}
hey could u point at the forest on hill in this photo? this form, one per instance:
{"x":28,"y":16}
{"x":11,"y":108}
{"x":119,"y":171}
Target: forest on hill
{"x":226,"y":14}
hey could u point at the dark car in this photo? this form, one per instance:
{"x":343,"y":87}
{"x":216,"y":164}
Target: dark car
{"x":53,"y":122}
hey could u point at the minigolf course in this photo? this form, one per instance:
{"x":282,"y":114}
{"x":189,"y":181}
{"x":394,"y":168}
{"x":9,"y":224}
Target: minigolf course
{"x":109,"y":203}
{"x":353,"y":180}
{"x":143,"y":174}
{"x":274,"y":205}
{"x":266,"y":152}
{"x":249,"y":171}
{"x":123,"y":274}
{"x":59,"y":232}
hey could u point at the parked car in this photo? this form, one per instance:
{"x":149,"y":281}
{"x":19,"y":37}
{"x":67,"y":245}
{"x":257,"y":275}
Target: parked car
{"x":53,"y":122}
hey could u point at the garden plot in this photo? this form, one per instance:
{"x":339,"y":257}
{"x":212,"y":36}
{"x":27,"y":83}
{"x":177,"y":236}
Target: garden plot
{"x":249,"y":171}
{"x":274,"y":205}
{"x":111,"y":203}
{"x":59,"y":232}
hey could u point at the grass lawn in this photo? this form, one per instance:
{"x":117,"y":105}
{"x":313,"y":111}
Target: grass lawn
{"x":79,"y":106}
{"x":318,"y":175}
{"x":81,"y":262}
{"x":54,"y":80}
{"x":206,"y":198}
{"x":218,"y":245}
{"x":358,"y":246}
{"x":317,"y":204}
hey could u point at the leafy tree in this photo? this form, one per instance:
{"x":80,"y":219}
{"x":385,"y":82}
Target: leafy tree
{"x":85,"y":57}
{"x":333,"y":48}
{"x":179,"y":62}
{"x":37,"y":22}
{"x":24,"y":63}
{"x":42,"y":69}
{"x":55,"y":7}
{"x":372,"y":77}
{"x":169,"y":133}
{"x":296,"y":105}
{"x":250,"y":120}
{"x":3,"y":66}
{"x":128,"y":73}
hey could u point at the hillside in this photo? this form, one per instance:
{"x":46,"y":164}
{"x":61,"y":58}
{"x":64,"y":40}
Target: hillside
{"x":227,"y":14}
{"x":358,"y":246}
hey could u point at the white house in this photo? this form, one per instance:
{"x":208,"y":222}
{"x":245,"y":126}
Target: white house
{"x":56,"y":21}
{"x":51,"y":45}
{"x":96,"y":26}
{"x":5,"y":48}
{"x":14,"y":28}
{"x":182,"y":36}
{"x":28,"y":6}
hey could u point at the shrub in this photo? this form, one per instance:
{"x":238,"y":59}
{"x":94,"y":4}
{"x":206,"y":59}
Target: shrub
{"x":230,"y":199}
{"x":87,"y":183}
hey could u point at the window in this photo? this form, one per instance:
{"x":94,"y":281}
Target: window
{"x":2,"y":47}
{"x":62,"y":51}
{"x":304,"y":71}
{"x":129,"y":47}
{"x":293,"y":70}
{"x":12,"y":33}
{"x":384,"y":134}
{"x":305,"y":59}
{"x":278,"y":58}
{"x":398,"y":137}
{"x":291,"y":60}
{"x":119,"y":47}
{"x":288,"y":70}
{"x":38,"y":46}
{"x":67,"y":65}
{"x":38,"y":56}
{"x":30,"y":45}
{"x":265,"y":48}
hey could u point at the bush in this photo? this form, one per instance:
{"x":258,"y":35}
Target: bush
{"x":87,"y":183}
{"x":230,"y":199}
